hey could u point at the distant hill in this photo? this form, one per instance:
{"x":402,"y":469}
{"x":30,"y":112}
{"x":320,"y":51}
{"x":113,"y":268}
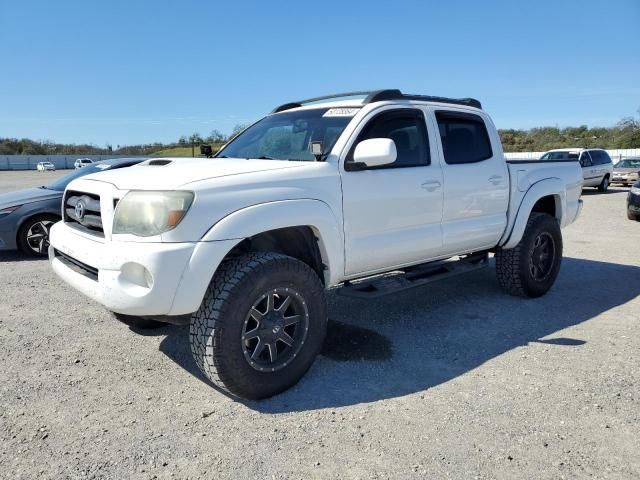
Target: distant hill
{"x":176,"y":152}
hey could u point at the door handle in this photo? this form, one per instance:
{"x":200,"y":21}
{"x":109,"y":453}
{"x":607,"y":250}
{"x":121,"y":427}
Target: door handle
{"x":431,"y":186}
{"x":495,"y":179}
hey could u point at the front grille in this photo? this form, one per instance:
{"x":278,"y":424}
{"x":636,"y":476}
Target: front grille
{"x":82,"y":211}
{"x":76,"y":265}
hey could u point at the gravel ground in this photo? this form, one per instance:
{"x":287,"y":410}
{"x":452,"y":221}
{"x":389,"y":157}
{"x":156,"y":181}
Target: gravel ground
{"x":451,"y":380}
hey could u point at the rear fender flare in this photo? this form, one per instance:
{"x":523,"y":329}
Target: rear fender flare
{"x":544,"y":188}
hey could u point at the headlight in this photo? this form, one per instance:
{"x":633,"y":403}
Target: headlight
{"x":150,"y":213}
{"x":635,"y":190}
{"x":8,"y":210}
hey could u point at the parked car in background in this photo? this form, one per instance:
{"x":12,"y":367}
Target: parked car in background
{"x":27,"y":215}
{"x":626,"y":171}
{"x":597,"y":167}
{"x":82,"y":162}
{"x":633,"y":202}
{"x":44,"y":166}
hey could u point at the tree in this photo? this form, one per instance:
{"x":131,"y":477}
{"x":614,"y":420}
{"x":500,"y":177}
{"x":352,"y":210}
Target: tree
{"x":237,"y":129}
{"x":195,"y":138}
{"x":215,"y":137}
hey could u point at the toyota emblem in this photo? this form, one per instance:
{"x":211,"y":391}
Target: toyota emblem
{"x":79,"y":210}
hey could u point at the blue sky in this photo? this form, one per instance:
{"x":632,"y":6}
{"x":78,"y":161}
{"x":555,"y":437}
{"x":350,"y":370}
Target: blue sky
{"x":125,"y":72}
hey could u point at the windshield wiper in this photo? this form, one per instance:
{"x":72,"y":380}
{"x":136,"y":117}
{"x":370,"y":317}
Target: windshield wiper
{"x":263,"y":157}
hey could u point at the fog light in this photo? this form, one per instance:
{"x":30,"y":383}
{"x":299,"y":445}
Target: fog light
{"x":136,"y":274}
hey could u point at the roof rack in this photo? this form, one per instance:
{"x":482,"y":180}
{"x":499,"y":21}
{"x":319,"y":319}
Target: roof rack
{"x":379,"y":96}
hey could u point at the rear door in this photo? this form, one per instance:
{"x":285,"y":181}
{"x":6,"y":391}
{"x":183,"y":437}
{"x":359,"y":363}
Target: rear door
{"x":476,"y":181}
{"x":392,"y":213}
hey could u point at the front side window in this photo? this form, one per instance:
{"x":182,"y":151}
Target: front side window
{"x":288,"y":135}
{"x":407,"y":129}
{"x":585,"y":159}
{"x":464,"y":137}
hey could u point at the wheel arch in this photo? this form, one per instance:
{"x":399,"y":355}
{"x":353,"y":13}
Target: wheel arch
{"x":306,"y":222}
{"x":546,"y":196}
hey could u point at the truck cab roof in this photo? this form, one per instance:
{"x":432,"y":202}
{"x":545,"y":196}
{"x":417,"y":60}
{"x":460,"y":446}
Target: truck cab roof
{"x":347,"y":100}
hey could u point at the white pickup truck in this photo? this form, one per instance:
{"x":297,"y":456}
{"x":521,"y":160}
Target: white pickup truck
{"x":370,"y":192}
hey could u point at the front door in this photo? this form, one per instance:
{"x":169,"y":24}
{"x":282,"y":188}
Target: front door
{"x":392,"y":213}
{"x":590,"y":173}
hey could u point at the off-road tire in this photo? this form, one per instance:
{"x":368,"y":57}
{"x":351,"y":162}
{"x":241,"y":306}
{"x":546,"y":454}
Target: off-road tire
{"x":216,"y":328}
{"x":21,"y":238}
{"x":512,"y":265}
{"x":139,"y":323}
{"x":604,"y":185}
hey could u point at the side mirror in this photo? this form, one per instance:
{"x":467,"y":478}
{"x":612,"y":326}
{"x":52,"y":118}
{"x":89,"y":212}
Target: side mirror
{"x":375,"y":152}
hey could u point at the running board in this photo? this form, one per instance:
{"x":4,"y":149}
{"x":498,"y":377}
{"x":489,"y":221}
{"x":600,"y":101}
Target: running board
{"x":397,"y":281}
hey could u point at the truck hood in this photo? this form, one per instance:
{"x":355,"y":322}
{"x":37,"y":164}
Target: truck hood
{"x":172,"y":173}
{"x":29,"y":195}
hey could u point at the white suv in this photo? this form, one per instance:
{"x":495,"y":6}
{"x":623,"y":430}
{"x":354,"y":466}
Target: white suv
{"x":82,"y":162}
{"x":597,"y":167}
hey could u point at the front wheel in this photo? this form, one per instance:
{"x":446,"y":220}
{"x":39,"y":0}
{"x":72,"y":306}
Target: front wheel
{"x":531,"y":267}
{"x":33,"y":235}
{"x":260,"y":326}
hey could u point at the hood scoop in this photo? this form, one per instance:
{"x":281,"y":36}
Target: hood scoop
{"x":158,"y":163}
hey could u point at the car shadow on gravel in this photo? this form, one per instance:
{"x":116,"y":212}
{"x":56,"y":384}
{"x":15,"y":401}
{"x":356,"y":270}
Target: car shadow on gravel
{"x":594,"y":191}
{"x":393,"y":346}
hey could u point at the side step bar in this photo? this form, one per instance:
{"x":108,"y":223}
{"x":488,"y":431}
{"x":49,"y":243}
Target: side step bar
{"x":397,"y":281}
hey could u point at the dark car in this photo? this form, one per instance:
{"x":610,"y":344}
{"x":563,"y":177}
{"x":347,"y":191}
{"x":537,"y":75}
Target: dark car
{"x":27,"y":215}
{"x":633,"y":202}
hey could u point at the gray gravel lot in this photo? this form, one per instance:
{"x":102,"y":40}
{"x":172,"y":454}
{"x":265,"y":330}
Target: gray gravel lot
{"x":451,"y":380}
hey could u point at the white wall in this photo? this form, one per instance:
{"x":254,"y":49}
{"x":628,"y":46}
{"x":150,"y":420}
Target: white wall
{"x":29,"y":162}
{"x":614,"y":154}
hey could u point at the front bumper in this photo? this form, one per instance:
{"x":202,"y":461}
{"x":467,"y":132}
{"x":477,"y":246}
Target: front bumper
{"x":626,"y":179}
{"x":8,"y":227}
{"x":136,"y":278}
{"x":633,"y":202}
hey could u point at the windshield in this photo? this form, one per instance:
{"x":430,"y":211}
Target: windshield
{"x":288,"y":135}
{"x":560,"y":156}
{"x":61,"y":183}
{"x":631,"y":163}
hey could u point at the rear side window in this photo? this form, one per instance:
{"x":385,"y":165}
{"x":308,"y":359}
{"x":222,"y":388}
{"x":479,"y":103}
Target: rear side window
{"x":464,"y":137}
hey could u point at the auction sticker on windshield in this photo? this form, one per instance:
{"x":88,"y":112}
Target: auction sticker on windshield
{"x":341,"y":112}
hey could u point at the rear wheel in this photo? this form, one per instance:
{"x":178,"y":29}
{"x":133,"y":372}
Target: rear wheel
{"x":260,"y":326}
{"x":604,"y":185}
{"x":530,"y":269}
{"x":33,"y":235}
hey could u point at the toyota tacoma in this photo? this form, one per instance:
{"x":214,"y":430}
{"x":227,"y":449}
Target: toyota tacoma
{"x":366,"y":192}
